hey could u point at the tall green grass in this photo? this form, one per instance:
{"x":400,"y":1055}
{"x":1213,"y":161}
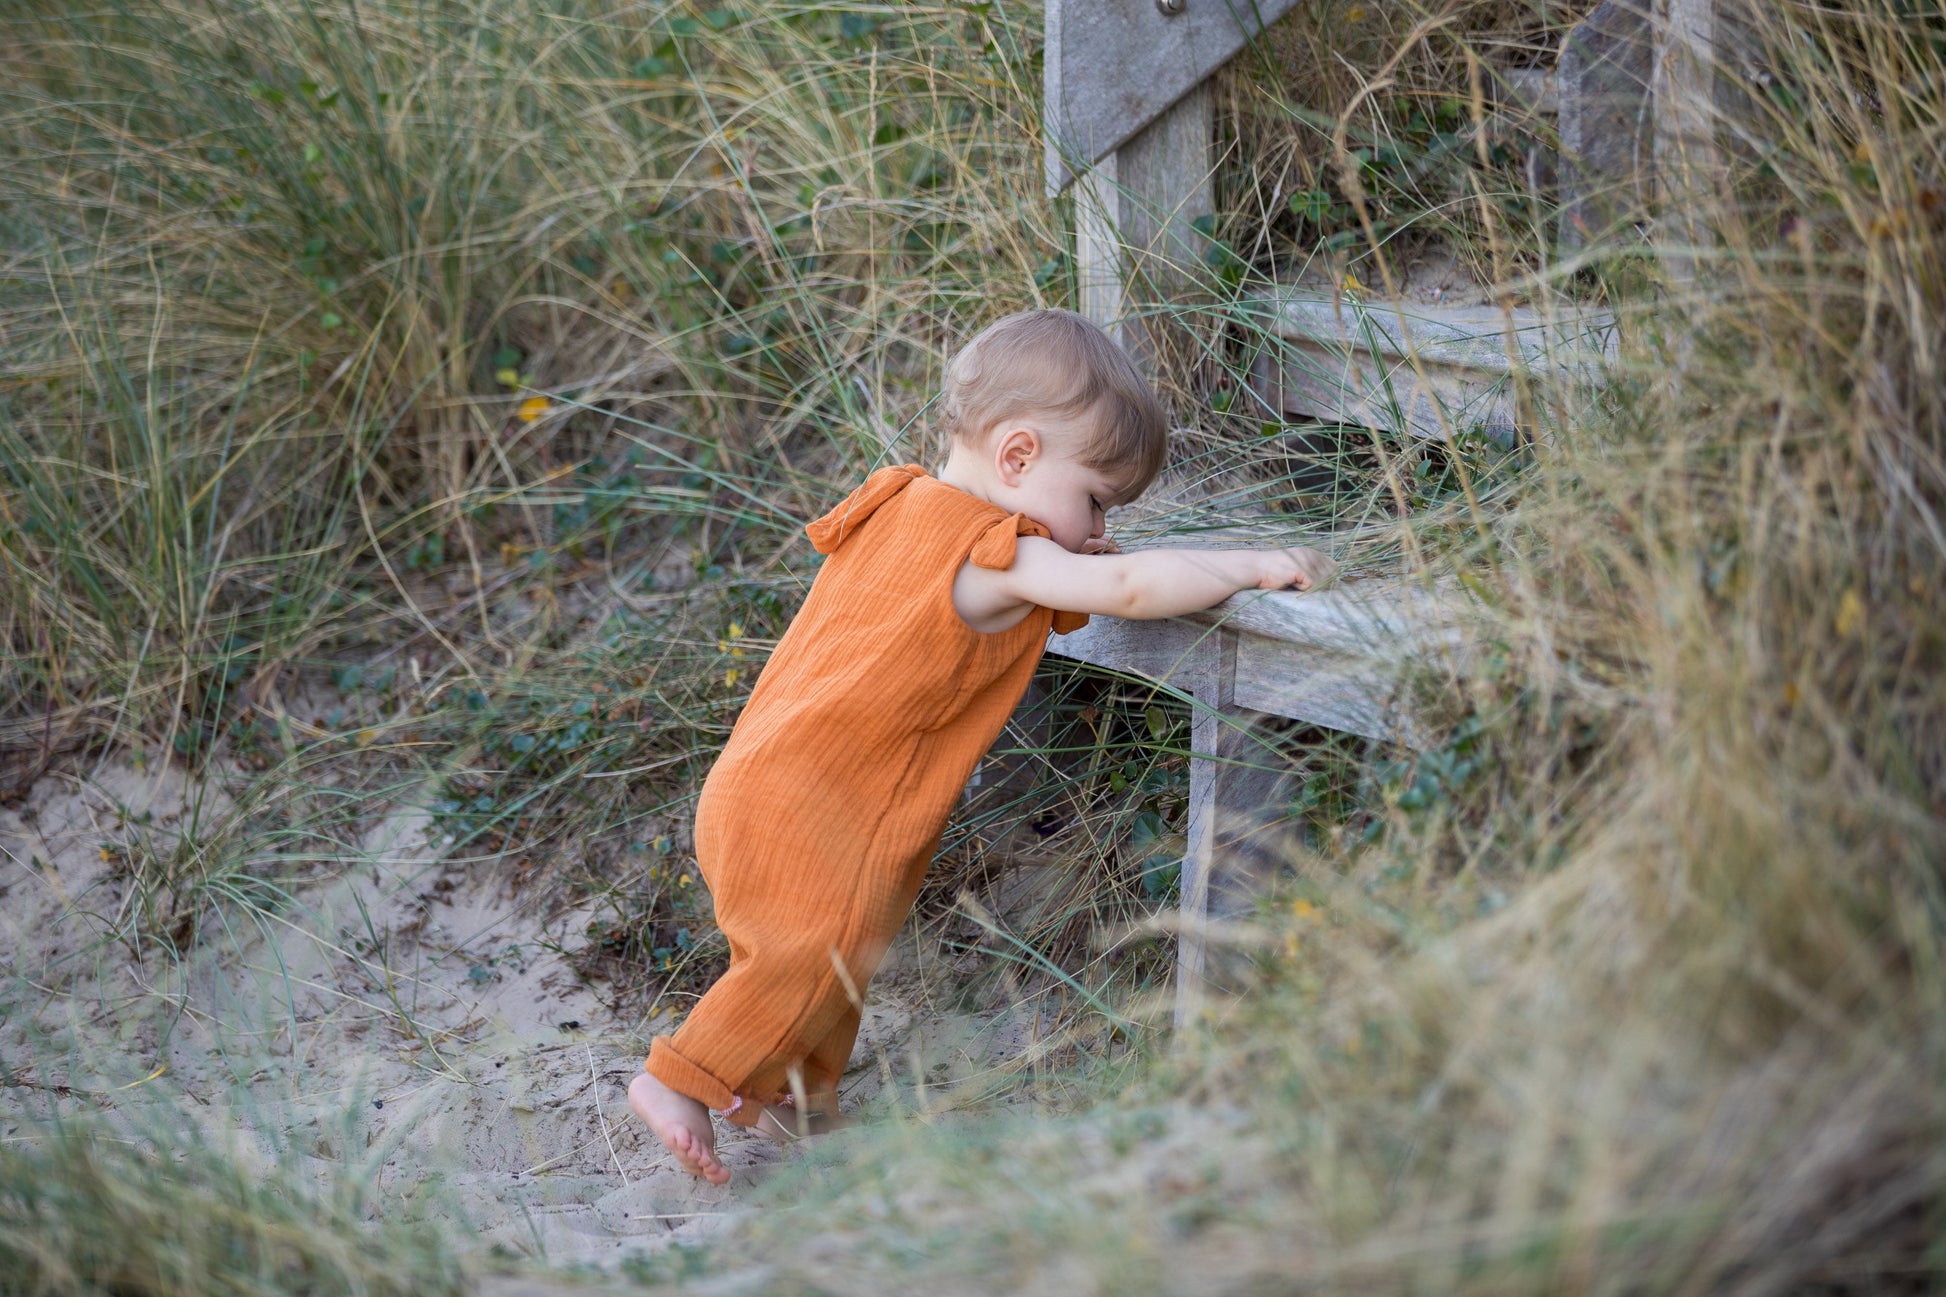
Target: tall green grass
{"x":150,"y":1208}
{"x":425,"y":402}
{"x":1634,"y":985}
{"x":437,"y":392}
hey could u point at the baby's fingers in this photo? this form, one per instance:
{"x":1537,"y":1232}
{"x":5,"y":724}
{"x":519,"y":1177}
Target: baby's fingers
{"x":1312,"y":569}
{"x":1100,"y":545}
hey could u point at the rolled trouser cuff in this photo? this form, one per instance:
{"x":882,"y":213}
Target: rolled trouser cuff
{"x":684,"y":1077}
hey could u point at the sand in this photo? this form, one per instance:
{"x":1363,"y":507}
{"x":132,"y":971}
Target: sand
{"x":411,"y":1019}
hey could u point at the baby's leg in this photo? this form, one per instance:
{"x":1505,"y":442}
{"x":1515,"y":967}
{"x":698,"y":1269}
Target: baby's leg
{"x":812,"y":1106}
{"x":681,"y":1123}
{"x":781,"y":1005}
{"x":803,"y":945}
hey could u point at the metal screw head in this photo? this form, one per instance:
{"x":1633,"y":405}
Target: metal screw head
{"x":1170,"y":8}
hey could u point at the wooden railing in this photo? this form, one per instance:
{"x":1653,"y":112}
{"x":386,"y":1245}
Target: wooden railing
{"x":1127,"y":116}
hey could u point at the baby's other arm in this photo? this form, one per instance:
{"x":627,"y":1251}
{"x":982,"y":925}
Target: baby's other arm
{"x":1148,"y":584}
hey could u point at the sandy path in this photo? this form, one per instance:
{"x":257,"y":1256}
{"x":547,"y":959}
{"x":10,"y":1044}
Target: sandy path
{"x":410,"y":1021}
{"x":407,"y":1021}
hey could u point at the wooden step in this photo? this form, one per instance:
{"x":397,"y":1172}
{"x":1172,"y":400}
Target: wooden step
{"x":1428,"y":369}
{"x":1330,"y":658}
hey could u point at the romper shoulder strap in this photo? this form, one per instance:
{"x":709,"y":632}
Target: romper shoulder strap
{"x":996,"y":547}
{"x":832,"y":530}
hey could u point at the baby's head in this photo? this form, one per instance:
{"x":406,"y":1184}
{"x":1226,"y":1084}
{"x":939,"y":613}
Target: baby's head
{"x":1059,"y":373}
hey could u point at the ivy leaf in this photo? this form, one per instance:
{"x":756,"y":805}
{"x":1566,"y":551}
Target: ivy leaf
{"x":1312,"y":205}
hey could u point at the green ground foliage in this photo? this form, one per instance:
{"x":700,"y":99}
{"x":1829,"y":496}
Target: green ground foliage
{"x":422,"y":395}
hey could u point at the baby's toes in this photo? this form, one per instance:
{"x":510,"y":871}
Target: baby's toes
{"x":696,"y":1157}
{"x":684,"y":1146}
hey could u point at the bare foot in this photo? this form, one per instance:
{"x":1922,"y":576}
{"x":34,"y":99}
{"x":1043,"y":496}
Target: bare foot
{"x":681,"y":1123}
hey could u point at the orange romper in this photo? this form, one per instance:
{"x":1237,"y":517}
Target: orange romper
{"x":817,"y":823}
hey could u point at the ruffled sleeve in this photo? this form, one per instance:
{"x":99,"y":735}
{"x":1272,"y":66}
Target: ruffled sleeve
{"x":995,"y":549}
{"x":831,"y":531}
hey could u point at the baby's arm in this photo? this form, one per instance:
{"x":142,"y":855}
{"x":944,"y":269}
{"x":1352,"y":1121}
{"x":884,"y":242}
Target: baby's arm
{"x":1147,"y":584}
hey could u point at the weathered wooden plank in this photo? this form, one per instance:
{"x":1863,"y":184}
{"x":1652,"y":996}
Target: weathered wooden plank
{"x":1157,"y":650}
{"x":1111,"y":67}
{"x":1135,"y":235}
{"x":1370,"y":618}
{"x":1330,"y":658}
{"x":1689,"y":165}
{"x":1335,"y":690}
{"x":1432,"y":370}
{"x":1603,"y":94}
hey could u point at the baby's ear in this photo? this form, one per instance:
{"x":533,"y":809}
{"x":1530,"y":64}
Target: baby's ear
{"x":1014,"y":450}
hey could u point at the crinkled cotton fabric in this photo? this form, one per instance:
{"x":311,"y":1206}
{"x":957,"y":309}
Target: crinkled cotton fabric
{"x":817,"y":823}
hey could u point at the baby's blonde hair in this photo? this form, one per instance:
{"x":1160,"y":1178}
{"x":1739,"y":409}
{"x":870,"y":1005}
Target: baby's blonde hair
{"x":1060,"y":365}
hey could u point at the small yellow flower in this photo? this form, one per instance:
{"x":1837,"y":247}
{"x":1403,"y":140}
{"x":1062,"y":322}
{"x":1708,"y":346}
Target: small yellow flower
{"x":1303,"y":909}
{"x":533,"y":408}
{"x":1353,"y":284}
{"x":507,"y":377}
{"x":1851,"y":614}
{"x":684,"y":881}
{"x":367,"y":737}
{"x":1355,"y":14}
{"x":736,"y":630}
{"x":730,"y":678}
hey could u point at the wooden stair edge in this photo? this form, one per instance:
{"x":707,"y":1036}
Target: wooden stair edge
{"x":1333,"y":657}
{"x":1557,"y":339}
{"x":1376,"y":617}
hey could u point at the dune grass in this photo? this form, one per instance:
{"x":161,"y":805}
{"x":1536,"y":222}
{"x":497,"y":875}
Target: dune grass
{"x":93,"y":1207}
{"x":435,"y":396}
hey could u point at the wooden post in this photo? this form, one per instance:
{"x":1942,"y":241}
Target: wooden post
{"x":1234,"y":802}
{"x":1688,"y":164}
{"x":1210,"y":677}
{"x":1135,"y":237}
{"x":1099,"y":264}
{"x":1604,"y":105}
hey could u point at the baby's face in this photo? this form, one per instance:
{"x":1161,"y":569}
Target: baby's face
{"x":1065,"y":496}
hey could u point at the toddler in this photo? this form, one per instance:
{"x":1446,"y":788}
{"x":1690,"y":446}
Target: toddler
{"x":916,"y":642}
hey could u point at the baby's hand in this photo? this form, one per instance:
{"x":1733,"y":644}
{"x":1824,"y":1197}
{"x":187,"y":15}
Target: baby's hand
{"x":1100,"y":545}
{"x":1306,"y":569}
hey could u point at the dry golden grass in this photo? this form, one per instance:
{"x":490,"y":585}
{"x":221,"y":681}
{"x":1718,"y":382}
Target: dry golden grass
{"x":1632,"y":985}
